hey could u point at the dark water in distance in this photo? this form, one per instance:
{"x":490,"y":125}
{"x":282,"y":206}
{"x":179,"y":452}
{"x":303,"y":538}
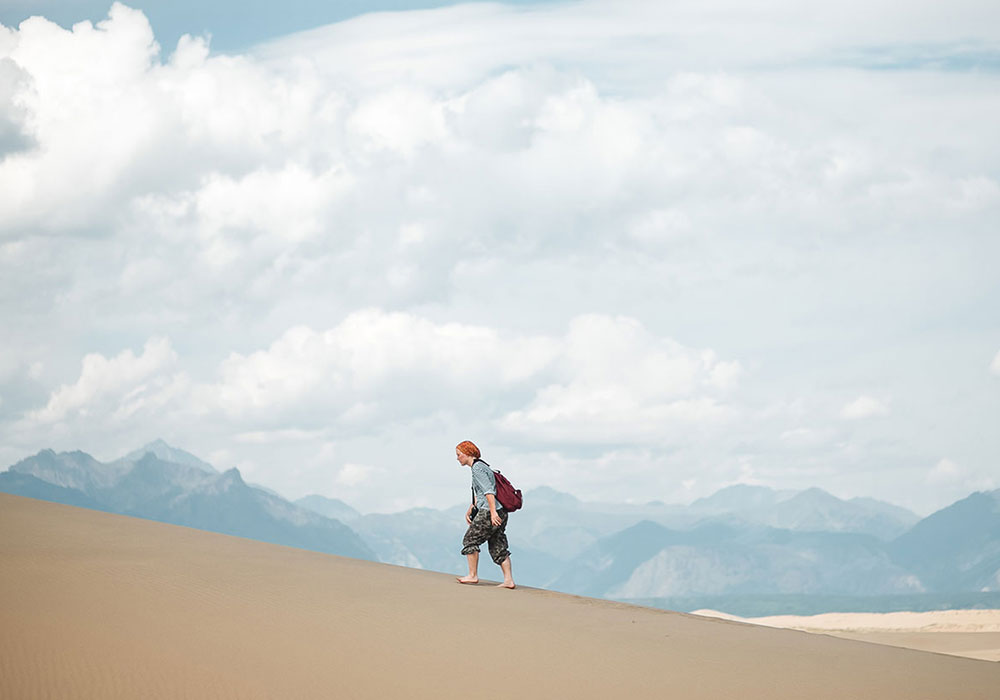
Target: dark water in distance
{"x":801,"y":604}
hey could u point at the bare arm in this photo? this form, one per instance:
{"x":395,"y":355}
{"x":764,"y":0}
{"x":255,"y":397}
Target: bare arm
{"x":494,"y":516}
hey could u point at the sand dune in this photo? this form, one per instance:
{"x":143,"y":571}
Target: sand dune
{"x":96,"y":605}
{"x":971,"y":633}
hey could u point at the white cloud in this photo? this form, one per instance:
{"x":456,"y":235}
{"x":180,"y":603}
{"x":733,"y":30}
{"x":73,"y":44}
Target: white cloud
{"x":353,"y":474}
{"x":376,"y":120}
{"x":945,"y":471}
{"x":619,"y":383}
{"x":374,"y":366}
{"x":116,"y":388}
{"x":86,"y":97}
{"x":607,"y":380}
{"x":280,"y":436}
{"x":995,"y":365}
{"x":953,"y":481}
{"x":864,"y":407}
{"x":806,"y":438}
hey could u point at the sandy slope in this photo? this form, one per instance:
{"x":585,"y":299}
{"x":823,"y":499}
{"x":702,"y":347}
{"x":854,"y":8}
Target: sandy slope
{"x":971,"y":633}
{"x":96,"y":605}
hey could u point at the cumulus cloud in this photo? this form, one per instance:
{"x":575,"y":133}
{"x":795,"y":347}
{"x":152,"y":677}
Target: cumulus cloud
{"x":374,"y":366}
{"x":945,"y":472}
{"x":606,"y":380}
{"x":864,"y":407}
{"x":115,"y":389}
{"x":622,"y":384}
{"x":353,"y":474}
{"x":806,"y":438}
{"x":957,"y":480}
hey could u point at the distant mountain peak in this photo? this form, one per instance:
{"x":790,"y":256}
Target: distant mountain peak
{"x":548,"y":494}
{"x":738,"y":497}
{"x":161,"y":449}
{"x":157,"y":446}
{"x":328,"y":507}
{"x":816,"y":494}
{"x":232,"y":474}
{"x":227,"y":481}
{"x":156,"y":484}
{"x":645,"y":527}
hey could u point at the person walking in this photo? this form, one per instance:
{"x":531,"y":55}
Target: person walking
{"x":486,"y":518}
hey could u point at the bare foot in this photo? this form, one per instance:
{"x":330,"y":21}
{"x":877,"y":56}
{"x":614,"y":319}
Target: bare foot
{"x":468,"y":579}
{"x":507,"y":584}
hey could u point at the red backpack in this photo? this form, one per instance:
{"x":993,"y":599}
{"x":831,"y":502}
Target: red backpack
{"x":508,"y":496}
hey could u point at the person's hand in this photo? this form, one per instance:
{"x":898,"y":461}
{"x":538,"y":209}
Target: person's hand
{"x":495,"y":518}
{"x":468,"y":516}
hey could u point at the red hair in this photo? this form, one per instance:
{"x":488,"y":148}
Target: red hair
{"x":468,"y":448}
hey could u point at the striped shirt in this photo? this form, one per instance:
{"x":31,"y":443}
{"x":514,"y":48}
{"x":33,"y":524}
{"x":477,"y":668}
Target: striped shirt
{"x":483,"y":482}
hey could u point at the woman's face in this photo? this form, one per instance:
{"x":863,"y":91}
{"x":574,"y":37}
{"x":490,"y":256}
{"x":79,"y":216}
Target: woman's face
{"x":462,"y":457}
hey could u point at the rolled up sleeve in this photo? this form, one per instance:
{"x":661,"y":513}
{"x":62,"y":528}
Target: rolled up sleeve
{"x":484,"y":480}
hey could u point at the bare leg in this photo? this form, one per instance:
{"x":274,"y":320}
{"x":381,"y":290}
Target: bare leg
{"x":473,"y":576}
{"x":508,"y":578}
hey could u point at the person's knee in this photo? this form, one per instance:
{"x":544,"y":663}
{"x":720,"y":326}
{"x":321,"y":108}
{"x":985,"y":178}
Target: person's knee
{"x":499,"y":556}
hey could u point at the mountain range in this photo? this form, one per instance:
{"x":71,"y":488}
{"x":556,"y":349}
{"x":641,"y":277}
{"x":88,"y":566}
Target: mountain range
{"x":162,"y":483}
{"x":743,"y":540}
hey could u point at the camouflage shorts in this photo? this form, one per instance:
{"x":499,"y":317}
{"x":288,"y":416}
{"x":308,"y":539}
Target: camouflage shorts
{"x":482,"y":530}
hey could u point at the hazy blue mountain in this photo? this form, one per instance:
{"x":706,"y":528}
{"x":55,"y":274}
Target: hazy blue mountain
{"x":612,"y":560}
{"x":558,"y":524}
{"x":811,"y":510}
{"x":815,"y":510}
{"x":330,"y":507}
{"x":545,"y":496}
{"x":75,"y":470}
{"x":958,"y":547}
{"x":180,"y":493}
{"x":227,"y":504}
{"x":169,"y":454}
{"x":738,"y":498}
{"x":876,"y":506}
{"x":420,"y":537}
{"x":33,"y":487}
{"x":266,"y":489}
{"x":150,"y":487}
{"x":532,"y":566}
{"x":562,"y":526}
{"x":650,"y":561}
{"x":773,"y":561}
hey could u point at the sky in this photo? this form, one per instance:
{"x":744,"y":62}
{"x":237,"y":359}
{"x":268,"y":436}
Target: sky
{"x":634,"y":250}
{"x":232,"y":25}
